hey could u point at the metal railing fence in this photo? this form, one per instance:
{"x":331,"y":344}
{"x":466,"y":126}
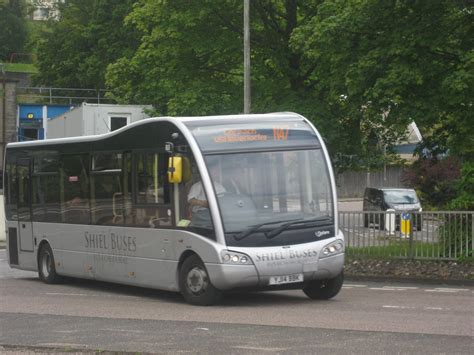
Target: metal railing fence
{"x":63,"y":95}
{"x":410,"y":235}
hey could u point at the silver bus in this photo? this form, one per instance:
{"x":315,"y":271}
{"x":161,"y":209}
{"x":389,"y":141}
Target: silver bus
{"x":198,"y":205}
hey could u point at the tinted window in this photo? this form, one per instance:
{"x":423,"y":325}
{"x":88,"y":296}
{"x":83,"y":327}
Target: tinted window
{"x":107,"y":198}
{"x":74,"y":188}
{"x":46,"y":207}
{"x":153,"y":193}
{"x":117,"y":122}
{"x":45,"y":203}
{"x":107,"y":161}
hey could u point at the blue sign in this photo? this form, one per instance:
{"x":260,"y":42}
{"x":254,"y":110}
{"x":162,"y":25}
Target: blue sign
{"x":405,"y":216}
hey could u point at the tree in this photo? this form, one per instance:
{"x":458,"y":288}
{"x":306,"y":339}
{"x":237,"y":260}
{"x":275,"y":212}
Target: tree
{"x":191,"y":54}
{"x":13,"y":30}
{"x":399,"y":60}
{"x":76,"y":49}
{"x":435,"y":181}
{"x":190,"y":62}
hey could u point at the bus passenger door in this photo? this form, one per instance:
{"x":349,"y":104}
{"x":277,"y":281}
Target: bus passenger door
{"x":25,"y":224}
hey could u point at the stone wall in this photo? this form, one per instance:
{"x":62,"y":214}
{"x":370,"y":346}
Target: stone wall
{"x":460,"y":272}
{"x":8,"y":115}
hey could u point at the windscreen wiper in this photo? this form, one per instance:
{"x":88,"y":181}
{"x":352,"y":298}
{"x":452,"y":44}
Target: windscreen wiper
{"x":309,"y":222}
{"x":244,"y":234}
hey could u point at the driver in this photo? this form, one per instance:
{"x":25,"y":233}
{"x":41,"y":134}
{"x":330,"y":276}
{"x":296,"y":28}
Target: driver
{"x":197,"y":198}
{"x":231,"y":180}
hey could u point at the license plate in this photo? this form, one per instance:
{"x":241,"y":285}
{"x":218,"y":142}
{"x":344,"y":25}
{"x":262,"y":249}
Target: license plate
{"x":285,"y":279}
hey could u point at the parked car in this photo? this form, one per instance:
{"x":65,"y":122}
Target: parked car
{"x":383,"y":199}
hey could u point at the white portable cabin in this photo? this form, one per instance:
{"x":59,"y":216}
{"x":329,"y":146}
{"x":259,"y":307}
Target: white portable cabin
{"x":93,"y":119}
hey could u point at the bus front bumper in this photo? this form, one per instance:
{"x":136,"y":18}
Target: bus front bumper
{"x":227,"y":277}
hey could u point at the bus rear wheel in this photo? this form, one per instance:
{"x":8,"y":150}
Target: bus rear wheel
{"x":195,"y":284}
{"x":324,"y":289}
{"x":46,"y":265}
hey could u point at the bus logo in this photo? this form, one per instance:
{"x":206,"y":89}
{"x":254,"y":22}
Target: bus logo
{"x":319,"y":234}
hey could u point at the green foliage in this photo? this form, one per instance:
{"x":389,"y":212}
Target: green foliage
{"x":456,"y":233}
{"x":399,"y":60}
{"x":464,"y":200}
{"x":13,"y":28}
{"x":435,"y":181}
{"x":20,"y":68}
{"x":76,"y":50}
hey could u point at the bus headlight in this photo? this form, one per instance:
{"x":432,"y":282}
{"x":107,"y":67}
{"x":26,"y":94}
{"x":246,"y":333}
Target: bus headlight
{"x":333,"y":248}
{"x":234,"y":258}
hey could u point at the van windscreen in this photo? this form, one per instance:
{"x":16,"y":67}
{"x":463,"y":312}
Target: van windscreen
{"x":400,"y":196}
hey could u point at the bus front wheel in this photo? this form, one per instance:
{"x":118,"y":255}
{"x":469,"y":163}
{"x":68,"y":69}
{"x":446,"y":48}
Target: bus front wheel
{"x":195,"y":284}
{"x":46,"y":266}
{"x":324,"y":289}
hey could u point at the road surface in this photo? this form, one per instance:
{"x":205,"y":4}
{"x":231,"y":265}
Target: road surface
{"x":363,"y":318}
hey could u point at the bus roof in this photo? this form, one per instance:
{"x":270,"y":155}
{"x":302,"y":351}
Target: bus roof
{"x":189,"y":120}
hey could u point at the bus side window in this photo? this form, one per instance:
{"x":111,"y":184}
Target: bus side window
{"x":107,"y":188}
{"x":196,"y":220}
{"x":153,"y":193}
{"x":45,"y":201}
{"x":74,"y":188}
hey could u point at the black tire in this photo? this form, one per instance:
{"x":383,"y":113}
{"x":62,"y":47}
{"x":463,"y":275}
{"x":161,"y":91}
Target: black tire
{"x":46,"y":266}
{"x":324,"y":289}
{"x":195,"y":284}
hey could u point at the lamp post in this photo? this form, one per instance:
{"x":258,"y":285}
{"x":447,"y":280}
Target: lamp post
{"x":246,"y":57}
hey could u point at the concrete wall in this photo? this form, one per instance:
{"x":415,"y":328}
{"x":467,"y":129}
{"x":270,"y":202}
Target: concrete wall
{"x":352,"y":184}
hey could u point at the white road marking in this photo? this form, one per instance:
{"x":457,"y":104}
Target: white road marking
{"x":398,"y":307}
{"x":409,"y":307}
{"x":63,"y":345}
{"x":123,"y":330}
{"x":360,"y":286}
{"x":405,"y":287}
{"x":66,"y":294}
{"x":201,"y":328}
{"x":260,"y":349}
{"x":446,"y":290}
{"x":65,"y":331}
{"x":91,"y":295}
